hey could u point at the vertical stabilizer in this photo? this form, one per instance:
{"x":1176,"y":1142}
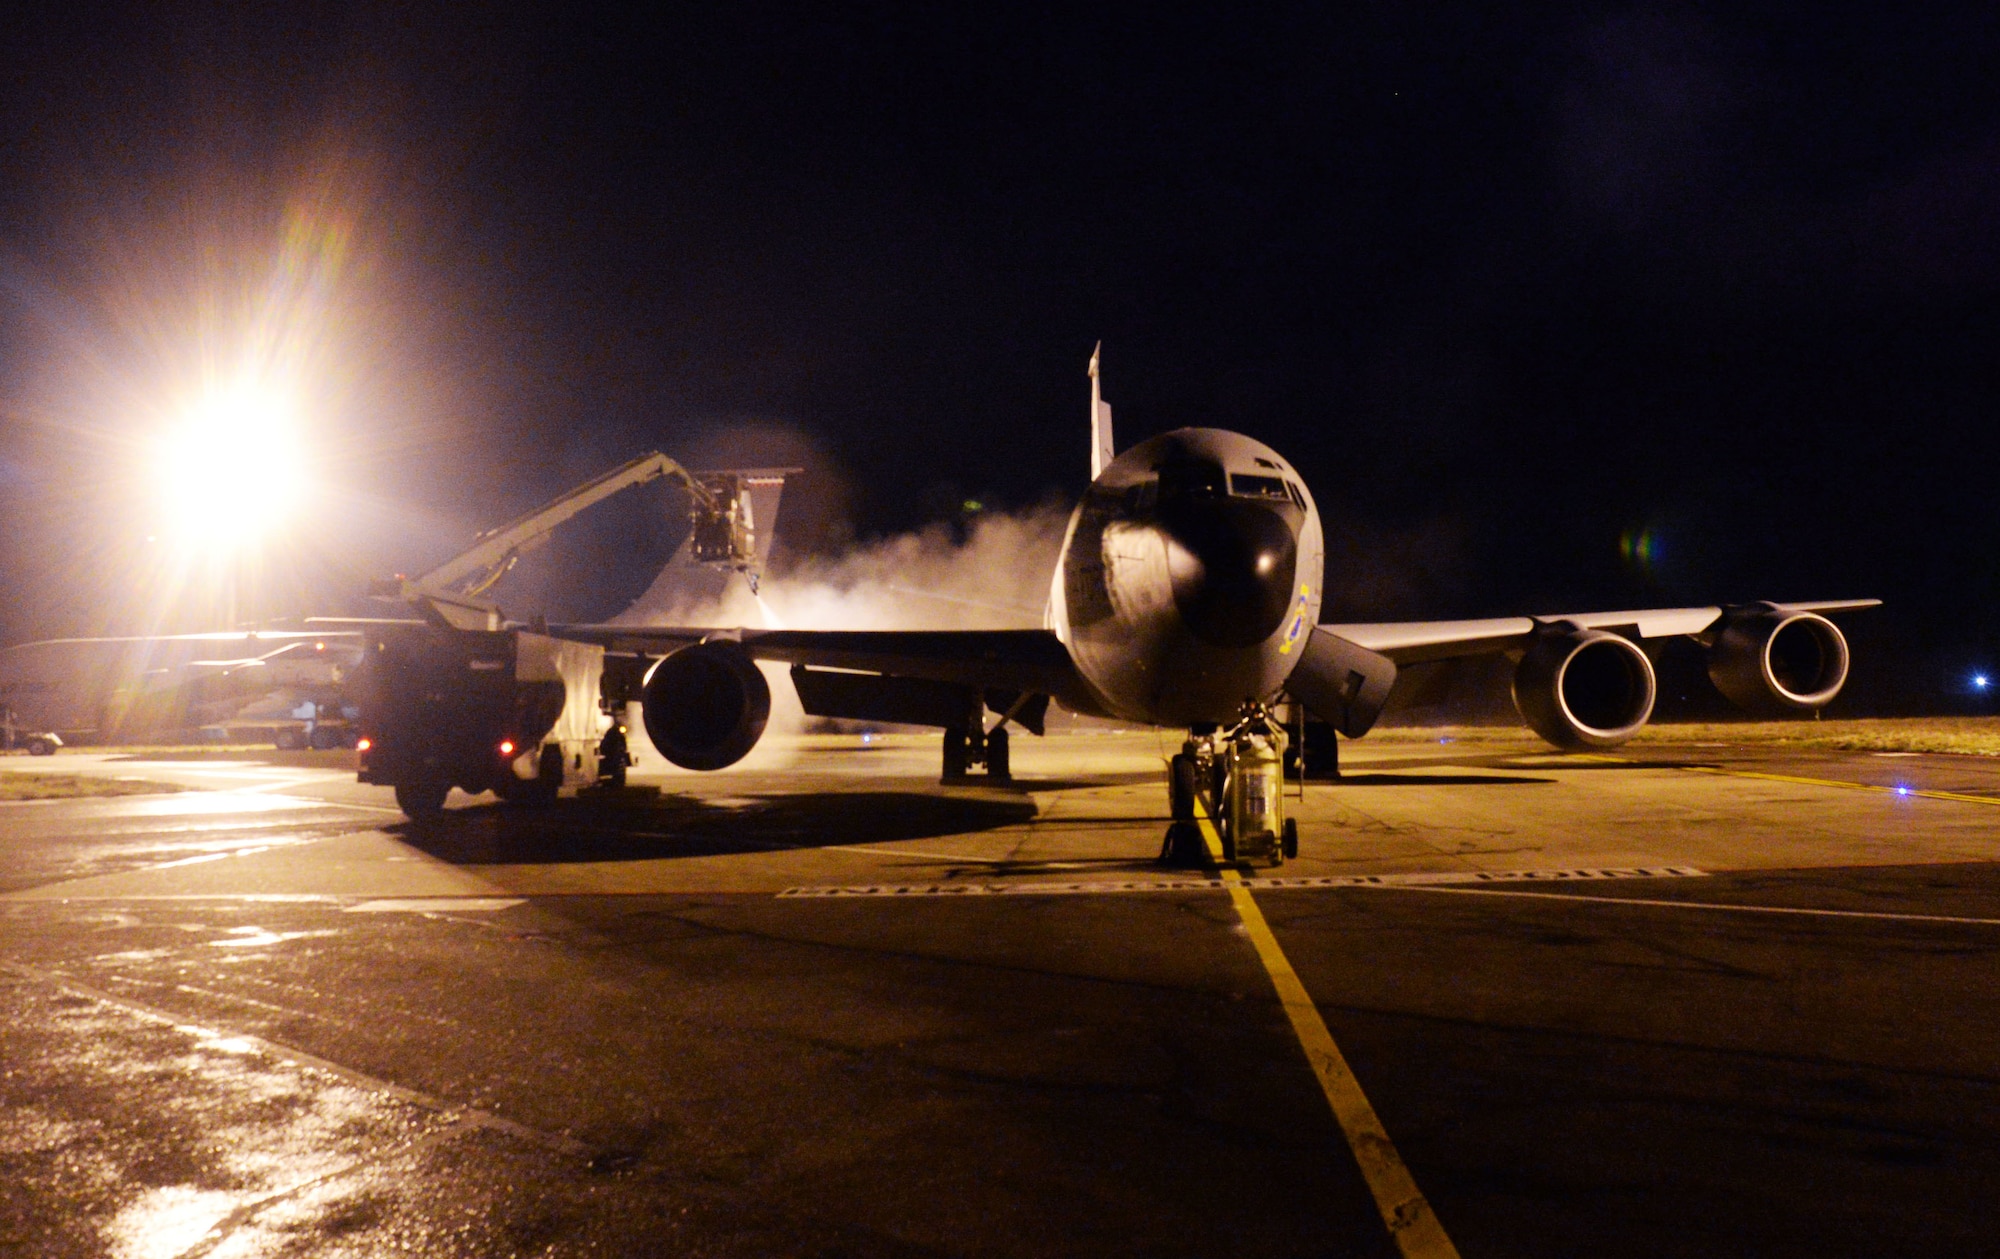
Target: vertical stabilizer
{"x":1102,"y":447}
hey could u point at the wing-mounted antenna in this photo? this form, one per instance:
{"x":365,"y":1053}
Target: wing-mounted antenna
{"x":1102,"y":448}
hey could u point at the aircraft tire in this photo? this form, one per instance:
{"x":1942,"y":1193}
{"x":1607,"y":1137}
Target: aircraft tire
{"x":1181,"y":778}
{"x":1290,"y":847}
{"x":421,"y":800}
{"x":998,"y":762}
{"x":1184,"y":846}
{"x":1322,"y":752}
{"x":41,"y":747}
{"x":288,"y":740}
{"x":955,"y":760}
{"x":325,"y":739}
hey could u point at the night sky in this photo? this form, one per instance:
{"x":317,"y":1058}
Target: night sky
{"x":1555,"y":309}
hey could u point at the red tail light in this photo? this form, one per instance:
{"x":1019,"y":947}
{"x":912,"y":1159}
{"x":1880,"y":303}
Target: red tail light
{"x":506,"y":747}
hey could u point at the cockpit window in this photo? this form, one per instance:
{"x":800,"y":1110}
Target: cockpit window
{"x":1298,"y":496}
{"x":1197,"y":478}
{"x":1244,"y":485}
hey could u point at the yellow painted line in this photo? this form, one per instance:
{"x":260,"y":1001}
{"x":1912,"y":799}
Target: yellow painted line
{"x":1413,"y":1226}
{"x":1877,"y":788}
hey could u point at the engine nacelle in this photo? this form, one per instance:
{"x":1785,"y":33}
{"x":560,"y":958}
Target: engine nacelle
{"x":1769,"y":659}
{"x":706,"y":705}
{"x":1584,"y":688}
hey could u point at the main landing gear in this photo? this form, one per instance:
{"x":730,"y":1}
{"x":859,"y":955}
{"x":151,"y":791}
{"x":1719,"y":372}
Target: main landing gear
{"x":973,"y":744}
{"x":1233,"y":780}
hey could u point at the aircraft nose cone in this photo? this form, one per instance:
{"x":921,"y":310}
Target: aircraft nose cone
{"x":1233,"y":563}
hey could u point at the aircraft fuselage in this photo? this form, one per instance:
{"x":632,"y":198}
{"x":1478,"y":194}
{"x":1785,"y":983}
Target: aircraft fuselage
{"x":1191,"y":574}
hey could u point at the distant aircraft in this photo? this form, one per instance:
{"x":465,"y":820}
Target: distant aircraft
{"x":1188,"y":595}
{"x":107,"y":689}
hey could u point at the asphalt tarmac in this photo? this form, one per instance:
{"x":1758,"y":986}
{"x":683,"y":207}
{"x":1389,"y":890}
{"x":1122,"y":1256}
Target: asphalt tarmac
{"x":1701,"y":1000}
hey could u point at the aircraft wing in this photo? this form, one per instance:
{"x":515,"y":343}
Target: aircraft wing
{"x":1408,"y":642}
{"x":1022,"y":660}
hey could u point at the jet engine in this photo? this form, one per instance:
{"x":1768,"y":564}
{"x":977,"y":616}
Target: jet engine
{"x":706,"y":705}
{"x":1581,"y":688}
{"x":1772,"y":659}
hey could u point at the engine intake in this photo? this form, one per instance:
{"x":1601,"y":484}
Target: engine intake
{"x":1771,"y":659}
{"x":1584,"y":688}
{"x":706,"y":705}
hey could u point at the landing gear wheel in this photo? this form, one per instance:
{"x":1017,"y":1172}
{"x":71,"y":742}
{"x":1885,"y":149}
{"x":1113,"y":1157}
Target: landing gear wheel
{"x":423,"y":800}
{"x":1322,"y":751}
{"x":39,"y":746}
{"x":1181,"y":779}
{"x":325,"y":739}
{"x":955,"y":759}
{"x":1184,"y":846}
{"x":1291,"y":842}
{"x":997,"y":766}
{"x":289,"y":740}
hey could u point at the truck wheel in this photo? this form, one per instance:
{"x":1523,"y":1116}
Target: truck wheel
{"x":422,"y":800}
{"x":997,"y":766}
{"x":548,"y":774}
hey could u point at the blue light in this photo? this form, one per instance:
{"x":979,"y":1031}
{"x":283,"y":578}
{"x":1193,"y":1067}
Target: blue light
{"x":1902,"y":791}
{"x":1980,"y":681}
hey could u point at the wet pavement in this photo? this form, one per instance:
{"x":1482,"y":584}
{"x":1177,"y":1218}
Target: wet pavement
{"x":268,"y":1017}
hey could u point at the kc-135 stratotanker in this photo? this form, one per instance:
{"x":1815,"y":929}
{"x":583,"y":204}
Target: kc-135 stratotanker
{"x":1187,"y":596}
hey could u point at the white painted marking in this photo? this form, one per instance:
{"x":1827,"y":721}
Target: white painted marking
{"x":438,"y":904}
{"x":1713,"y":906}
{"x":955,"y":858}
{"x":1105,"y":887}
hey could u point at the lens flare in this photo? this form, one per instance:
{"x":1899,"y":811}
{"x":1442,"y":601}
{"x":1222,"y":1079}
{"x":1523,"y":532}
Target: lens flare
{"x":232,"y":471}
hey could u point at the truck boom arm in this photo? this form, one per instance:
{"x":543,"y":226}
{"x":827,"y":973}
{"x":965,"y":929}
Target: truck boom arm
{"x":449,"y":593}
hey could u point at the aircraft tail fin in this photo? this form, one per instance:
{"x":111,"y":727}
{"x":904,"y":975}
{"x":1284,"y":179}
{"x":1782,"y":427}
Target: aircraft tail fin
{"x":1102,"y":448}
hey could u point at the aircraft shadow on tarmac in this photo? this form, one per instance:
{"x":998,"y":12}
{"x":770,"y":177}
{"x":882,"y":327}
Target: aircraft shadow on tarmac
{"x":647,"y":825}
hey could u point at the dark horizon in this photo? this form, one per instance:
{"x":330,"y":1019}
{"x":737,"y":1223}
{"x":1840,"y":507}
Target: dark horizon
{"x":1602,"y":307}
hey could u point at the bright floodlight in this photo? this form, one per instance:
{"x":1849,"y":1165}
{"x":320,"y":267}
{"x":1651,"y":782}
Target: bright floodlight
{"x":232,"y":470}
{"x":1980,"y":681}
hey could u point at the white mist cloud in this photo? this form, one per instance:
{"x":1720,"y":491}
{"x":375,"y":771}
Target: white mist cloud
{"x":992,"y":574}
{"x":995,"y":577}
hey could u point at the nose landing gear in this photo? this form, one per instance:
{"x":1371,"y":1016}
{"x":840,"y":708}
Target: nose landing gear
{"x":1234,"y":781}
